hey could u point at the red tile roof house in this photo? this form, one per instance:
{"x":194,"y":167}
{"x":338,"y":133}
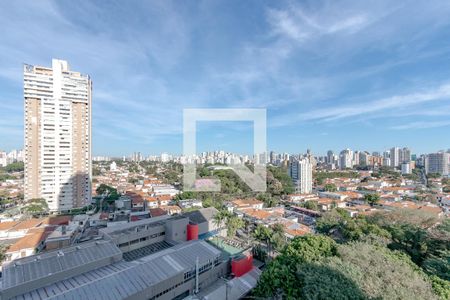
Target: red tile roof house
{"x":137,"y":201}
{"x":30,"y":244}
{"x":245,"y":203}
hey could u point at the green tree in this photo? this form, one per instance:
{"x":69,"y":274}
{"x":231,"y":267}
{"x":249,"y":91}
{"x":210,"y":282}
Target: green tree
{"x":233,"y":223}
{"x":3,"y":249}
{"x":438,"y":265}
{"x":36,"y":206}
{"x":371,"y":267}
{"x":14,"y":167}
{"x":339,"y":225}
{"x":280,"y":276}
{"x":312,"y":205}
{"x":330,"y":187}
{"x":322,"y":282}
{"x":372,"y":199}
{"x":268,"y":199}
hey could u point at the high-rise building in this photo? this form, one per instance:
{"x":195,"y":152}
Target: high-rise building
{"x":406,"y":168}
{"x":346,"y":159}
{"x":136,"y":157}
{"x":3,"y":159}
{"x":273,"y":158}
{"x":394,"y":155}
{"x":165,"y":157}
{"x":355,"y":158}
{"x":364,"y":158}
{"x":405,"y":155}
{"x":437,"y":163}
{"x":330,"y":157}
{"x":300,"y":170}
{"x":57,"y":135}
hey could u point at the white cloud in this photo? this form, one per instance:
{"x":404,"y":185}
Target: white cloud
{"x":296,"y":24}
{"x":398,"y":101}
{"x":422,"y":125}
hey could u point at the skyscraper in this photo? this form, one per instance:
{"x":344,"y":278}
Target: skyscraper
{"x":330,"y":157}
{"x":395,"y":157}
{"x":300,"y":170}
{"x":405,"y":155}
{"x":346,"y":159}
{"x":438,"y":163}
{"x":57,"y":135}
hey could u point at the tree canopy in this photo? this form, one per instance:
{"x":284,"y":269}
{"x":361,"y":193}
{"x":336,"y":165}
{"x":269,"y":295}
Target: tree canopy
{"x":383,"y":256}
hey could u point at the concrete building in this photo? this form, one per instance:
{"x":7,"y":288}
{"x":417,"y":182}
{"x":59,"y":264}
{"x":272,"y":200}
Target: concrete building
{"x":300,"y":170}
{"x":406,"y":168}
{"x":356,"y":158}
{"x":57,"y":135}
{"x":346,"y":159}
{"x":113,"y":166}
{"x":330,"y":157}
{"x":3,"y":159}
{"x":157,"y":258}
{"x":437,"y":163}
{"x":405,"y":155}
{"x":394,"y":155}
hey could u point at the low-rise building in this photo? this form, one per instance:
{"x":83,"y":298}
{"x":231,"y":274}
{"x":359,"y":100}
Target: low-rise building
{"x":245,"y":203}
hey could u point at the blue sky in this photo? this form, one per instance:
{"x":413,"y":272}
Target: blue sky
{"x":332,"y":74}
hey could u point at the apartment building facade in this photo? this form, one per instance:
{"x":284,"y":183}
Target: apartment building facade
{"x":300,"y":170}
{"x":57,"y":135}
{"x":438,"y":163}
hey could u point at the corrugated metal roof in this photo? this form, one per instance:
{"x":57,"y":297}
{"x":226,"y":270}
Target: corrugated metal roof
{"x":123,"y":279}
{"x":39,"y":266}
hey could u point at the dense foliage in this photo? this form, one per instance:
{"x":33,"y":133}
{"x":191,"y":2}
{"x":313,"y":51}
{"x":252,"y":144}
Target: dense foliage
{"x":14,"y":167}
{"x":390,"y":255}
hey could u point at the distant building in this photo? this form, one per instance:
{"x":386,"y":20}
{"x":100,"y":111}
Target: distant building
{"x":57,"y":136}
{"x":330,"y":157}
{"x":394,"y":157}
{"x":3,"y":159}
{"x":437,"y":163}
{"x":113,"y":166}
{"x":300,"y":170}
{"x":406,"y":168}
{"x":346,"y":159}
{"x":405,"y":155}
{"x":165,"y":157}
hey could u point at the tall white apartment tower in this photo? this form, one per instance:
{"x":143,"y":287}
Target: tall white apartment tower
{"x":395,"y":157}
{"x":300,"y":170}
{"x":346,"y":159}
{"x":57,"y":135}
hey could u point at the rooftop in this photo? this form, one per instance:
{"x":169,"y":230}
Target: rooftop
{"x":33,"y":268}
{"x":202,"y":215}
{"x":122,"y":279}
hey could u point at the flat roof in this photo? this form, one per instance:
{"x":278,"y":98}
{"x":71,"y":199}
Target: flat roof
{"x":202,"y":215}
{"x":124,"y":228}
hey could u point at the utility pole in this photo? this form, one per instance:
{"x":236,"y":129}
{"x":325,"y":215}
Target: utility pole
{"x":196,"y":275}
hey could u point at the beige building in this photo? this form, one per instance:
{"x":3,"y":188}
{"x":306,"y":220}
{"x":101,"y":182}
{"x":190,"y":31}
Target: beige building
{"x":57,"y":135}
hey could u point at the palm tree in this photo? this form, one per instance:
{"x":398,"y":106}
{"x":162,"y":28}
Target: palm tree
{"x":218,"y":219}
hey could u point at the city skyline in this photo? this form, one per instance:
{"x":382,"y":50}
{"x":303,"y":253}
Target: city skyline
{"x":383,"y":85}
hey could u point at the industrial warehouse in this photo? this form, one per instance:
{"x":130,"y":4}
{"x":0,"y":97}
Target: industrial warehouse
{"x":156,"y":258}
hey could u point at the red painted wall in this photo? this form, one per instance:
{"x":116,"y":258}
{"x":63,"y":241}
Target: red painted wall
{"x":192,"y":232}
{"x":241,"y":266}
